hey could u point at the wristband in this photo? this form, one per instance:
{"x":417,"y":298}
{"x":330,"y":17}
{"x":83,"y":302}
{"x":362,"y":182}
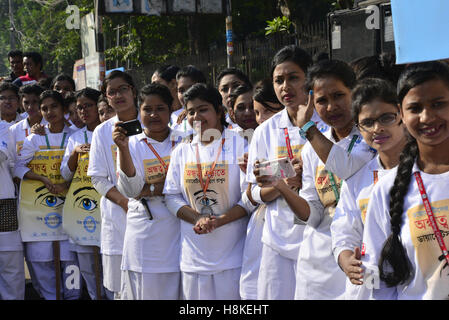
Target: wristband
{"x":303,"y":130}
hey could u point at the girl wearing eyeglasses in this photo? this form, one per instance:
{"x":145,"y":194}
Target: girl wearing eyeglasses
{"x":377,"y":115}
{"x":78,"y":148}
{"x":327,"y":158}
{"x":406,"y":227}
{"x":121,"y":93}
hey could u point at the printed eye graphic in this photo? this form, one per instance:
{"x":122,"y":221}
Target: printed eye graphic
{"x":52,"y":201}
{"x":86,"y":203}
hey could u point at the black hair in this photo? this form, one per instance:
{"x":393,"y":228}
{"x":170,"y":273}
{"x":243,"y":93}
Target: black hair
{"x":117,"y":74}
{"x":370,"y":89}
{"x":31,"y":89}
{"x":63,"y":77}
{"x":102,"y":98}
{"x":89,"y":93}
{"x":45,"y":83}
{"x":15,"y":53}
{"x":236,"y":72}
{"x":69,"y":99}
{"x":242,"y":89}
{"x":264,"y":92}
{"x":157,"y":89}
{"x":191,"y":72}
{"x":209,"y":94}
{"x":293,"y":54}
{"x":9,"y":86}
{"x":167,"y":72}
{"x":377,"y":66}
{"x":51,"y":94}
{"x":36,"y":57}
{"x":320,"y":56}
{"x":394,"y":265}
{"x":330,"y":68}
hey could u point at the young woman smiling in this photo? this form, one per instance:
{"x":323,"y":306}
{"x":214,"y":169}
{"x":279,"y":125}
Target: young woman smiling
{"x":200,"y":189}
{"x":377,"y":115}
{"x":406,"y":226}
{"x":40,"y":254}
{"x":121,"y":93}
{"x":151,"y":230}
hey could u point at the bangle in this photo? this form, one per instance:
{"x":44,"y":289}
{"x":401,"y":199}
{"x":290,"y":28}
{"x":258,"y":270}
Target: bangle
{"x":303,"y":130}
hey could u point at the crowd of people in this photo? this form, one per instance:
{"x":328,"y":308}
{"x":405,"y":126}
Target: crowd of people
{"x":324,"y":181}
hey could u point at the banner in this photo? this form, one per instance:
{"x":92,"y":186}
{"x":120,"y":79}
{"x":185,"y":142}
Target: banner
{"x":81,"y":212}
{"x":420,"y":30}
{"x":40,"y":212}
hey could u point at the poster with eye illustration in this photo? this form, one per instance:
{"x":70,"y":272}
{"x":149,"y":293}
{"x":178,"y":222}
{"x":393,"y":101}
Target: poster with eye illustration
{"x":40,"y":212}
{"x":81,"y":213}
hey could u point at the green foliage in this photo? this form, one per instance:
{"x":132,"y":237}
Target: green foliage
{"x":278,"y":25}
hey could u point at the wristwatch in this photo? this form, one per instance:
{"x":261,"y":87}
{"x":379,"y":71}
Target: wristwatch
{"x":152,"y":189}
{"x":307,"y":126}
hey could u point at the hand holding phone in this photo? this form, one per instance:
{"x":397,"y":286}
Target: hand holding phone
{"x":132,"y":127}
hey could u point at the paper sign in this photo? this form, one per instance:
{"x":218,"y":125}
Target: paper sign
{"x":420,"y":30}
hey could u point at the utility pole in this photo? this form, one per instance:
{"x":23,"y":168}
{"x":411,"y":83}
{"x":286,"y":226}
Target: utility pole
{"x":229,"y":38}
{"x":12,"y":39}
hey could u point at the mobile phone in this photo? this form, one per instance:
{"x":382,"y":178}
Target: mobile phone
{"x":132,"y":127}
{"x":280,"y":168}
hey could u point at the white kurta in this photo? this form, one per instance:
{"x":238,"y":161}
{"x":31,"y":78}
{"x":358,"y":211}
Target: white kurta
{"x":268,"y":142}
{"x":347,"y":223}
{"x":318,"y":275}
{"x":221,"y":249}
{"x":102,"y":163}
{"x":430,"y":279}
{"x":151,"y":246}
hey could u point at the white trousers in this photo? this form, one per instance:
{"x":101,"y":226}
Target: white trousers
{"x":12,"y":275}
{"x":277,"y":276}
{"x":222,"y":285}
{"x":112,"y":273}
{"x":150,"y":286}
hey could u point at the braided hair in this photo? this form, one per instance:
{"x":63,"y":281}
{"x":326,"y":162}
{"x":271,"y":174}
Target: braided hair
{"x":394,"y":265}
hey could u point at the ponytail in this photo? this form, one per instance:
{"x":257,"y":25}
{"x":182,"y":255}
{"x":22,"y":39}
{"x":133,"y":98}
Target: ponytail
{"x":394,"y":266}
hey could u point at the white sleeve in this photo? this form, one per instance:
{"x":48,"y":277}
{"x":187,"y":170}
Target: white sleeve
{"x":377,"y":230}
{"x":308,"y":191}
{"x":344,"y":165}
{"x":174,"y":202}
{"x":66,"y":173}
{"x":102,"y":185}
{"x":256,"y":151}
{"x":129,"y":186}
{"x":97,"y":157}
{"x":25,"y":156}
{"x":347,"y":225}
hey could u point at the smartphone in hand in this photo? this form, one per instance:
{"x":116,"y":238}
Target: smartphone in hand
{"x":132,"y":127}
{"x":279,"y":168}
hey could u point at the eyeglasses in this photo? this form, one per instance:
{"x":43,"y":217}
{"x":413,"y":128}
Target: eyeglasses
{"x":386,"y":119}
{"x":10,"y":98}
{"x":85,"y":106}
{"x":122,"y":90}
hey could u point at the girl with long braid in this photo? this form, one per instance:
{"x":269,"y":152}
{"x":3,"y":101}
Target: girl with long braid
{"x":406,"y":228}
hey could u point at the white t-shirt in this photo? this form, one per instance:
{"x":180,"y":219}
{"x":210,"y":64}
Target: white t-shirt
{"x":20,"y":131}
{"x":430,"y":277}
{"x":222,"y":248}
{"x":349,"y":217}
{"x":151,"y":246}
{"x":9,"y":241}
{"x":102,"y":163}
{"x":269,"y":143}
{"x":318,"y":275}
